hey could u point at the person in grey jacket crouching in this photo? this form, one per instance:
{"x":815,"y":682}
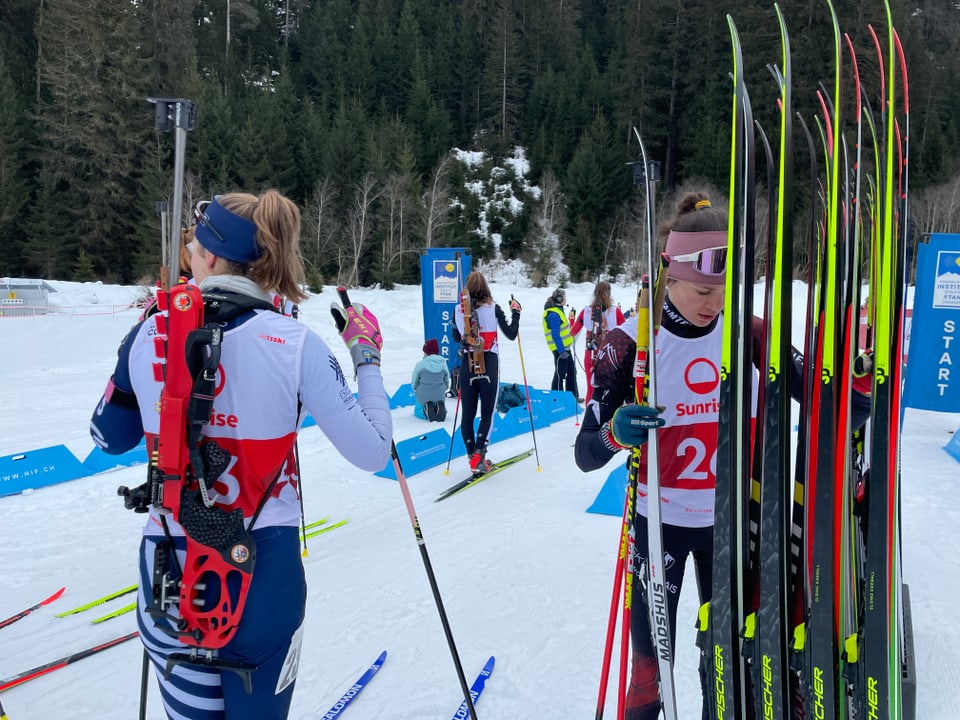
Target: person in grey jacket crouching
{"x":431,"y":380}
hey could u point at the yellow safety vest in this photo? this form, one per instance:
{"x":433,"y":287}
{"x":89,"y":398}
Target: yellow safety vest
{"x":564,"y":329}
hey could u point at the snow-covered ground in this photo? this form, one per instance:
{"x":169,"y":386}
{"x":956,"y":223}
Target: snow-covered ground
{"x":525,"y":574}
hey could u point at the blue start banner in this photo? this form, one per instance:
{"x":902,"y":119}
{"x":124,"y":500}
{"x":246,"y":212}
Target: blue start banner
{"x":932,"y":379}
{"x":442,"y":274}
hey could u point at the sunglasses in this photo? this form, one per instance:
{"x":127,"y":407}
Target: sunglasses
{"x":712,"y":261}
{"x":200,"y":218}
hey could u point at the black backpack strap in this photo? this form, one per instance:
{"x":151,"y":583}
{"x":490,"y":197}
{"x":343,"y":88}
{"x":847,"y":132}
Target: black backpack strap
{"x":222,"y":306}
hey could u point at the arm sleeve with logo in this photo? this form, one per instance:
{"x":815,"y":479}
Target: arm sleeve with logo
{"x":361,"y":427}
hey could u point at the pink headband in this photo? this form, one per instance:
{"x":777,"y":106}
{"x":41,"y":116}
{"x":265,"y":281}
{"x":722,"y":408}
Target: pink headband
{"x":688,"y":243}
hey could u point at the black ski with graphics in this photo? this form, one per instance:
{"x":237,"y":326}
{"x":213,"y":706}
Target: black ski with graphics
{"x":722,"y":619}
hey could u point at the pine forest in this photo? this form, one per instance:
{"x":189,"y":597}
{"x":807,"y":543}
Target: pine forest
{"x":356,"y":110}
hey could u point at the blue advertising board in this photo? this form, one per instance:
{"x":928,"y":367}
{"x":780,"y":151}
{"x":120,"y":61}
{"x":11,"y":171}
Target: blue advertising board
{"x":932,"y":380}
{"x":442,"y":272}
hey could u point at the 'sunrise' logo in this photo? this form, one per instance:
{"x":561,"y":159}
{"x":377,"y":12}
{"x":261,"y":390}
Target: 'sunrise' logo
{"x":702,"y":376}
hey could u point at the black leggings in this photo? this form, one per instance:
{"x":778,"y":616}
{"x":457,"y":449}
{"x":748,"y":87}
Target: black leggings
{"x":482,"y":391}
{"x":678,"y":542}
{"x":565,"y":373}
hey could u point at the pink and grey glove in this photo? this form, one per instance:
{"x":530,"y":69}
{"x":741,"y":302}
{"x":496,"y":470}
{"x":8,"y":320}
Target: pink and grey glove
{"x":360,"y":331}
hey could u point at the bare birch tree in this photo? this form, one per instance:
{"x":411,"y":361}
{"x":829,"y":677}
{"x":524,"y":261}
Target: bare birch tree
{"x":436,"y":202}
{"x":631,"y":246}
{"x":396,"y":213}
{"x":549,"y":225}
{"x":319,"y":228}
{"x":359,"y":228}
{"x":937,"y":209}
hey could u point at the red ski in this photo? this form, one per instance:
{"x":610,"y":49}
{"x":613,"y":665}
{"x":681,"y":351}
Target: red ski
{"x":20,"y":678}
{"x":23,"y":613}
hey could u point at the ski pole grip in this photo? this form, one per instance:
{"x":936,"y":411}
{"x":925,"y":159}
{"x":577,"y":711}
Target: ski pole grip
{"x":338,"y":317}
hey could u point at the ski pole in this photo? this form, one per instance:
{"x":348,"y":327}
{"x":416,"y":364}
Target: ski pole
{"x":628,"y":572}
{"x":642,"y":358}
{"x":463,"y":358}
{"x":303,"y":520}
{"x":144,"y":683}
{"x":648,"y":322}
{"x":526,"y":389}
{"x":3,"y":713}
{"x":575,"y":359}
{"x":614,"y":607}
{"x":576,"y":400}
{"x":453,"y":432}
{"x":408,"y":501}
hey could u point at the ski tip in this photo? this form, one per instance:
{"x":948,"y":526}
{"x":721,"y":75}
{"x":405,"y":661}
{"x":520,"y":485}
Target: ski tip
{"x":56,"y":595}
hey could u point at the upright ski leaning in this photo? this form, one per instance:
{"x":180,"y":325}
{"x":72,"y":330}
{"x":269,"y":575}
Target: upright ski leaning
{"x":808,"y":615}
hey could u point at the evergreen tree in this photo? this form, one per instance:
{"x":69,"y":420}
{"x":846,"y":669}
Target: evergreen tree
{"x":276,"y":114}
{"x":343,"y":153}
{"x":551,"y":34}
{"x":148,"y":239}
{"x":13,"y":186}
{"x":17,"y":43}
{"x":596,"y":183}
{"x":321,"y":46}
{"x":389,"y":80}
{"x":169,"y":45}
{"x":310,"y":142}
{"x":51,"y":249}
{"x":83,"y":270}
{"x":697,"y":143}
{"x":505,"y":75}
{"x":251,"y":170}
{"x":472,"y":32}
{"x":359,"y":76}
{"x":212,"y":144}
{"x":92,"y":121}
{"x":428,"y":118}
{"x":442,"y":69}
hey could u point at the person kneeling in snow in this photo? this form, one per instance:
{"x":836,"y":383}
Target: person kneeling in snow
{"x":430,"y":382}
